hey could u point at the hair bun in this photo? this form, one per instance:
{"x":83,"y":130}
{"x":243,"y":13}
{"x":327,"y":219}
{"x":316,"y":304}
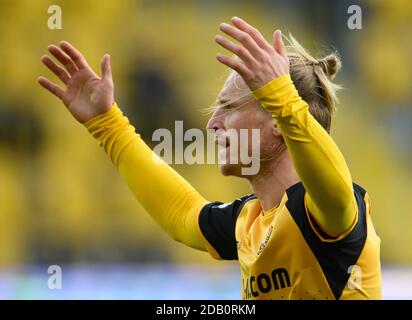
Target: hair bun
{"x":331,"y":65}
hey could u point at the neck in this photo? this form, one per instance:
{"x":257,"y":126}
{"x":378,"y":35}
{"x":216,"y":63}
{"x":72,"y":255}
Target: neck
{"x":274,"y":178}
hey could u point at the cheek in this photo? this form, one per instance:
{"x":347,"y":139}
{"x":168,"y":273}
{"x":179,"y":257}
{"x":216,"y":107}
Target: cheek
{"x":242,"y":123}
{"x":235,"y":119}
{"x":267,"y":138}
{"x":253,"y":119}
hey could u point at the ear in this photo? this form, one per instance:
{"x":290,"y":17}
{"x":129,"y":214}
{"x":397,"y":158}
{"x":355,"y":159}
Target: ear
{"x":275,"y":131}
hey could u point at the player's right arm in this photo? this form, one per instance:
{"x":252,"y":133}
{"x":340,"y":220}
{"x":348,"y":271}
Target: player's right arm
{"x":165,"y":195}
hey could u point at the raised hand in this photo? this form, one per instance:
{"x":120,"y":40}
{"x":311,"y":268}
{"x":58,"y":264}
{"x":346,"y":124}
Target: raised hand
{"x":85,"y":95}
{"x":259,"y":61}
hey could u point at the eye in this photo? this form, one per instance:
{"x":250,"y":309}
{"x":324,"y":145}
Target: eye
{"x":228,"y":107}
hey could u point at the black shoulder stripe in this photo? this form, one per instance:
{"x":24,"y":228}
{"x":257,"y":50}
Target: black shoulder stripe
{"x":335,"y":258}
{"x":217,"y":221}
{"x":359,"y":189}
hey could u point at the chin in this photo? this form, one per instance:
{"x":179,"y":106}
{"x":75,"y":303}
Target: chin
{"x":230,"y":170}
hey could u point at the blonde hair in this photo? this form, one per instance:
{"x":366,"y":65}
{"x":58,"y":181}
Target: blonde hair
{"x":312,"y":78}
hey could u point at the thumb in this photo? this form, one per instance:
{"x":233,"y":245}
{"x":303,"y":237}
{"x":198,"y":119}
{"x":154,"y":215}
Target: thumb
{"x":106,"y":68}
{"x":278,"y":44}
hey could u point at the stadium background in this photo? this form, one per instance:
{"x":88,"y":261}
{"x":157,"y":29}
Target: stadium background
{"x":61,"y":200}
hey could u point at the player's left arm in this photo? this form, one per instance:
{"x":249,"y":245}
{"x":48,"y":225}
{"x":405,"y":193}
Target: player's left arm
{"x":318,"y":161}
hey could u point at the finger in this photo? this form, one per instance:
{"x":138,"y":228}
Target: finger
{"x":278,"y":44}
{"x":74,"y":54}
{"x":240,"y":51}
{"x":234,"y":64}
{"x":252,"y":31}
{"x":106,"y":68}
{"x":57,"y":70}
{"x":64,"y":59}
{"x":243,"y":38}
{"x":53,"y":88}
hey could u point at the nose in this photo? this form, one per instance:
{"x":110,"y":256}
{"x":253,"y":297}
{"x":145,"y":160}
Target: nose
{"x":216,"y":121}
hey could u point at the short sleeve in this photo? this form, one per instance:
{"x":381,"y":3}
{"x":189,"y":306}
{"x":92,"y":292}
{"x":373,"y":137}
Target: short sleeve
{"x":217,"y":223}
{"x":334,"y":256}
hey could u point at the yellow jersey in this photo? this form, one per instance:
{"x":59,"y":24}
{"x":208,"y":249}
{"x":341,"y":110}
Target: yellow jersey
{"x":283,"y":254}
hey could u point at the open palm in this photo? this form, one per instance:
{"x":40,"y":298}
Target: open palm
{"x":85,"y":95}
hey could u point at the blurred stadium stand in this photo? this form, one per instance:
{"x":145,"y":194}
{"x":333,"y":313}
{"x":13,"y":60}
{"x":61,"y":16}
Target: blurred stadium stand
{"x":62,"y":201}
